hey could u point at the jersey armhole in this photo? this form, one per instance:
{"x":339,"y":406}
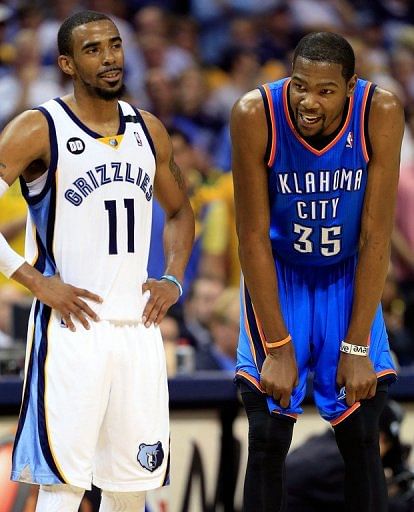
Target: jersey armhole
{"x":270,"y":151}
{"x":51,"y":171}
{"x":146,"y":131}
{"x":366,"y":106}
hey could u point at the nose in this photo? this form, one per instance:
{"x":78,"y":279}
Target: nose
{"x":108,"y":56}
{"x":309,"y":102}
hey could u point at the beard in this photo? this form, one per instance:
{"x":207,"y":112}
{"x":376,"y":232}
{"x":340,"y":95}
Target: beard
{"x":110,"y":94}
{"x":105,"y":94}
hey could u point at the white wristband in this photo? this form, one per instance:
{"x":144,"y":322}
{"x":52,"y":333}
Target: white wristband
{"x":10,"y":261}
{"x":357,"y":350}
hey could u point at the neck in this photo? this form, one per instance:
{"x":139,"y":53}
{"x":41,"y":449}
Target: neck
{"x":99,"y":109}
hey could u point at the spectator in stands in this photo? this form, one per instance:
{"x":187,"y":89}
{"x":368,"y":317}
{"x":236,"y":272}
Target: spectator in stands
{"x":219,"y":246}
{"x":160,"y":91}
{"x":29,"y":83}
{"x":243,"y":68}
{"x":13,"y":209}
{"x":7,"y":50}
{"x":315,"y":470}
{"x":193,"y":114}
{"x":224,"y":327}
{"x":198,"y":310}
{"x":394,"y":307}
{"x":9,"y":295}
{"x":170,"y":331}
{"x":403,"y":235}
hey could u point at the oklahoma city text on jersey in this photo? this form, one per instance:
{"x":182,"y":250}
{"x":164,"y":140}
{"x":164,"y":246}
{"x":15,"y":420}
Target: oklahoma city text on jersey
{"x":312,"y":182}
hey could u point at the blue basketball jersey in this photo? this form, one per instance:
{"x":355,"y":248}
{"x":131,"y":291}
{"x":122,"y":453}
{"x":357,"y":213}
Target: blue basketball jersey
{"x":315,"y":196}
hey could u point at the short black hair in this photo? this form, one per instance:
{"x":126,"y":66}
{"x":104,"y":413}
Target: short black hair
{"x":64,"y":37}
{"x":327,"y":47}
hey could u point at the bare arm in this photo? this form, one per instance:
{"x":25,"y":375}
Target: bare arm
{"x":23,"y":141}
{"x":170,"y":191}
{"x":386,"y":125}
{"x":249,"y":138}
{"x":13,"y":228}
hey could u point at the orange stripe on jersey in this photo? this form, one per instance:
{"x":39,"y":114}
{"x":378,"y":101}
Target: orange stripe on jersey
{"x":294,"y":416}
{"x":303,"y":141}
{"x":246,"y":325}
{"x":347,"y":413}
{"x":272,"y":120}
{"x":362,"y":126}
{"x":252,"y":380}
{"x":386,"y":372}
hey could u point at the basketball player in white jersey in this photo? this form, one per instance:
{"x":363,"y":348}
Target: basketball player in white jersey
{"x":95,"y":400}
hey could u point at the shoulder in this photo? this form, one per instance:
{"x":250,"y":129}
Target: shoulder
{"x":29,"y":123}
{"x":158,"y":134}
{"x":248,"y":106}
{"x":385,"y":103}
{"x":248,"y":122}
{"x":154,"y":125}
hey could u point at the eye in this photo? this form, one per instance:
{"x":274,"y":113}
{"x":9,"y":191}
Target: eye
{"x":117,"y":45}
{"x":326,"y":91}
{"x":93,"y":49}
{"x":298,"y":87}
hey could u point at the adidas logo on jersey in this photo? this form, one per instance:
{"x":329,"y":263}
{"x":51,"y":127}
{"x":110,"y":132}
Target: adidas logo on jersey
{"x":349,"y":140}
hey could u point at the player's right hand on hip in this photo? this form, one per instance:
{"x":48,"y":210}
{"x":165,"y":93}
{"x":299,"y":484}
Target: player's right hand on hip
{"x":67,"y":300}
{"x":280,"y":374}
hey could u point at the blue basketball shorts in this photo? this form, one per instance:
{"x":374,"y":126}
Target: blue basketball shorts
{"x":316,"y":305}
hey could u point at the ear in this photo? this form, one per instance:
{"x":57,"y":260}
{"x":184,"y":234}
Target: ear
{"x":66,"y":64}
{"x":351,"y":85}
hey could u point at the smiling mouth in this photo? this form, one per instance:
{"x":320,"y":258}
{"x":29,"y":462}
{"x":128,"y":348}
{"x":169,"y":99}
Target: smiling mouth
{"x":308,"y":119}
{"x":112,"y":74}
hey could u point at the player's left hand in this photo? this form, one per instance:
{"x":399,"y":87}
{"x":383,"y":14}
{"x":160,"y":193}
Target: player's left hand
{"x":163,"y":294}
{"x":357,"y":374}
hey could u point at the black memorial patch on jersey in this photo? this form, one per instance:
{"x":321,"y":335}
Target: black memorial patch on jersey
{"x":75,"y":145}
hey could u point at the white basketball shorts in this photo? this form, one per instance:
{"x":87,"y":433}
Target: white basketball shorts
{"x":95,"y":406}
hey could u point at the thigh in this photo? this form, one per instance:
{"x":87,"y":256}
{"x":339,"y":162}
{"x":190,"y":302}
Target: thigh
{"x":133,"y":447}
{"x":296,"y":306}
{"x":334,"y":294}
{"x":65,"y":397}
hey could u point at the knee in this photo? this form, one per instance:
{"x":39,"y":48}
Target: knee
{"x":122,"y":501}
{"x":271,"y":435}
{"x":354,"y":435}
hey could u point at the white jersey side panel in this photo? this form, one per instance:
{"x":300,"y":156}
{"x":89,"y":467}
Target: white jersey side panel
{"x":93,"y":219}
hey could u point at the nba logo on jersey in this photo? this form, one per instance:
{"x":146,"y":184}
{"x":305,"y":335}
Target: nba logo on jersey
{"x":138,"y":138}
{"x":350,"y":140}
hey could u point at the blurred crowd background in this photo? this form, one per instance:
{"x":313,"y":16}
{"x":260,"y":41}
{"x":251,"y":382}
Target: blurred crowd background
{"x":187,"y":62}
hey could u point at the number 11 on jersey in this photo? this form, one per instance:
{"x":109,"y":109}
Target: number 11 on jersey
{"x":111,"y":208}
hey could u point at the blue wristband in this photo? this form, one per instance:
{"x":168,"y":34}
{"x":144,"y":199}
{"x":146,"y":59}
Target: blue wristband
{"x":174,"y":280}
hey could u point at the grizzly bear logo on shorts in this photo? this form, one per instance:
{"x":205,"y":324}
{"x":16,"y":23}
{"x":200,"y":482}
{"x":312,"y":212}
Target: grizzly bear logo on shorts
{"x":150,"y":456}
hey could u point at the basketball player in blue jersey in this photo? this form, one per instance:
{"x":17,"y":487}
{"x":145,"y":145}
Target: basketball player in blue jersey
{"x":95,"y":401}
{"x":315,"y":163}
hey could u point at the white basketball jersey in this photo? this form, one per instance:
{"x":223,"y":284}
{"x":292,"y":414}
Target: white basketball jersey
{"x":92,"y":218}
